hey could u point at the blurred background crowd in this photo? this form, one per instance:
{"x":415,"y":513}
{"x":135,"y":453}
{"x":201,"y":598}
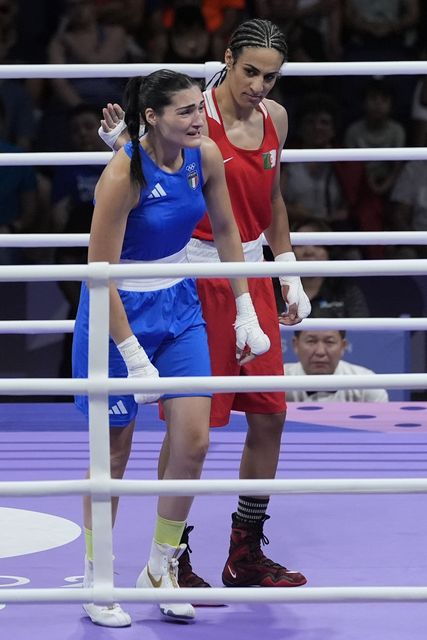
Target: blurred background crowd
{"x":324,"y":112}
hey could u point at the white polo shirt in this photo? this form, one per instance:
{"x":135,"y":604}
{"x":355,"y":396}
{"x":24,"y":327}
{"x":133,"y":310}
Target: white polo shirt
{"x":342,"y":395}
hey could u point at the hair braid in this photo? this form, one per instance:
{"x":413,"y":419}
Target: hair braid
{"x":253,"y":33}
{"x":258,"y":33}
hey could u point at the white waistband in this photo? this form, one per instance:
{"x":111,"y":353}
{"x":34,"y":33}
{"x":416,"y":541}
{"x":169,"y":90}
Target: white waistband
{"x":205,"y":251}
{"x":152,"y":284}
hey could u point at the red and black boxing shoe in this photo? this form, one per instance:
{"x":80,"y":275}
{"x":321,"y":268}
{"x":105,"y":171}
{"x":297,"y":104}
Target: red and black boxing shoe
{"x":186,"y":575}
{"x":247,"y":566}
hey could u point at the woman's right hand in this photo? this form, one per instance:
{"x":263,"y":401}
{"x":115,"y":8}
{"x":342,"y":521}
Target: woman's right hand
{"x":139,"y":366}
{"x":113,"y":130}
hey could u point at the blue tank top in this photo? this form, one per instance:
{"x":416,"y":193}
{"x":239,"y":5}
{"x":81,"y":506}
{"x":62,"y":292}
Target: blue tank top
{"x":170,"y":206}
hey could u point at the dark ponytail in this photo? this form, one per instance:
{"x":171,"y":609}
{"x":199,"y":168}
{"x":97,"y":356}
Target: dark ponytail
{"x":132,"y":119}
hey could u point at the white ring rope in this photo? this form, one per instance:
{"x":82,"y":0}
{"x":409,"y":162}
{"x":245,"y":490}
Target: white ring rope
{"x":297,"y":238}
{"x":290,"y":155}
{"x":217,"y":384}
{"x":100,"y":486}
{"x":107,"y":488}
{"x":351,"y":268}
{"x":313,"y":324}
{"x":102,"y":593}
{"x":207,"y":70}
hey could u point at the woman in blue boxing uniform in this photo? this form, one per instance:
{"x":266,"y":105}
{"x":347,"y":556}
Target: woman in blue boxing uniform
{"x":148,"y":201}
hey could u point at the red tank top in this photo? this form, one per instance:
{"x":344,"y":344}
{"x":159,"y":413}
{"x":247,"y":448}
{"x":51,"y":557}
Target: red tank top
{"x":249,"y":173}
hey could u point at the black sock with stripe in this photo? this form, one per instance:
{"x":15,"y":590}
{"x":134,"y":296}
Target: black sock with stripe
{"x":250,"y":509}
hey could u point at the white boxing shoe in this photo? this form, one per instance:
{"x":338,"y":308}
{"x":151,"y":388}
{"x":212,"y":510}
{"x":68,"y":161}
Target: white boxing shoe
{"x":112,"y":616}
{"x":161,"y":572}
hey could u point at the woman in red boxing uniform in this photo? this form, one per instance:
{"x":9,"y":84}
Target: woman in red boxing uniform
{"x":250,"y":132}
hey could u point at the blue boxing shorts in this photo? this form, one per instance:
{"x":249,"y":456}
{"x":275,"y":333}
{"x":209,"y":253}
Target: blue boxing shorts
{"x":168,"y":324}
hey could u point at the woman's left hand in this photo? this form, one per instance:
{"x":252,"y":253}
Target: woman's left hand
{"x":251,"y":341}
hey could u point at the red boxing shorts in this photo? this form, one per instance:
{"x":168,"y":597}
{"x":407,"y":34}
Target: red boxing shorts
{"x":219,"y":311}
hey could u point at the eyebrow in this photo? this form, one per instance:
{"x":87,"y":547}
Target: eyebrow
{"x":266,"y":73}
{"x":190,"y":106}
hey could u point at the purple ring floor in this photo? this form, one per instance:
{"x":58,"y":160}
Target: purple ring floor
{"x":336,"y":540}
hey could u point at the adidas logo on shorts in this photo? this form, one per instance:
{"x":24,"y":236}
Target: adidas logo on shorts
{"x":118,"y":409}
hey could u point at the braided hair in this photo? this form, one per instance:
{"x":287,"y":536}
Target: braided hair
{"x":254,"y":33}
{"x":154,"y":91}
{"x":258,"y":33}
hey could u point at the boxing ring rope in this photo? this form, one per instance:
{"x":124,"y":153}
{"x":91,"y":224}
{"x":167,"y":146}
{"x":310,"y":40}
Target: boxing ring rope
{"x":49,"y":158}
{"x":297,"y":238}
{"x":209,"y":69}
{"x":314,"y":324}
{"x":100,"y":486}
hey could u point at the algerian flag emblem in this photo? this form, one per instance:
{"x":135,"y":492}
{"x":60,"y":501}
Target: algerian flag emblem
{"x":269,"y":159}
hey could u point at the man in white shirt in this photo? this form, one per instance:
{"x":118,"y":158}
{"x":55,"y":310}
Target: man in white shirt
{"x":320,"y":353}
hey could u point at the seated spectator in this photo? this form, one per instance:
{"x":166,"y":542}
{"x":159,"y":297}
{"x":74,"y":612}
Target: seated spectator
{"x":379,"y":30}
{"x":418,"y":114}
{"x":220,"y":17}
{"x":408,"y":206}
{"x":313,"y":32}
{"x":321,"y":353}
{"x":377,"y":129}
{"x":330,"y":295}
{"x":18,"y":197}
{"x":312,"y":27}
{"x":73,"y":187}
{"x":81,"y":38}
{"x":317,"y":189}
{"x":323,"y":18}
{"x":18,"y":126}
{"x":8,"y":27}
{"x":188,"y":40}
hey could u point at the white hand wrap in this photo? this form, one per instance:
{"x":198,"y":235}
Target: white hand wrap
{"x":110,"y":137}
{"x":139,"y":366}
{"x":296,"y":294}
{"x":248,"y":331}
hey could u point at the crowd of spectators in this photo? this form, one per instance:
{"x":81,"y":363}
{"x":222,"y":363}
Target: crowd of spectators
{"x":330,"y":112}
{"x":354,"y":111}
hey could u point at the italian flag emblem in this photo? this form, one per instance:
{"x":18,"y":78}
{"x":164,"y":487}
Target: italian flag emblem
{"x":193,"y":179}
{"x":269,"y":159}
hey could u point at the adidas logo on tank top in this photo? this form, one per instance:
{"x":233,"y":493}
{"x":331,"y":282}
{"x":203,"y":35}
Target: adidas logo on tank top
{"x":157,"y":192}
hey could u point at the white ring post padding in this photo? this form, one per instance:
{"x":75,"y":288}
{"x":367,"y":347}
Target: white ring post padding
{"x":289,"y":155}
{"x":99,"y":437}
{"x":217,"y":384}
{"x":323,"y":238}
{"x":215,"y":594}
{"x":313,"y":324}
